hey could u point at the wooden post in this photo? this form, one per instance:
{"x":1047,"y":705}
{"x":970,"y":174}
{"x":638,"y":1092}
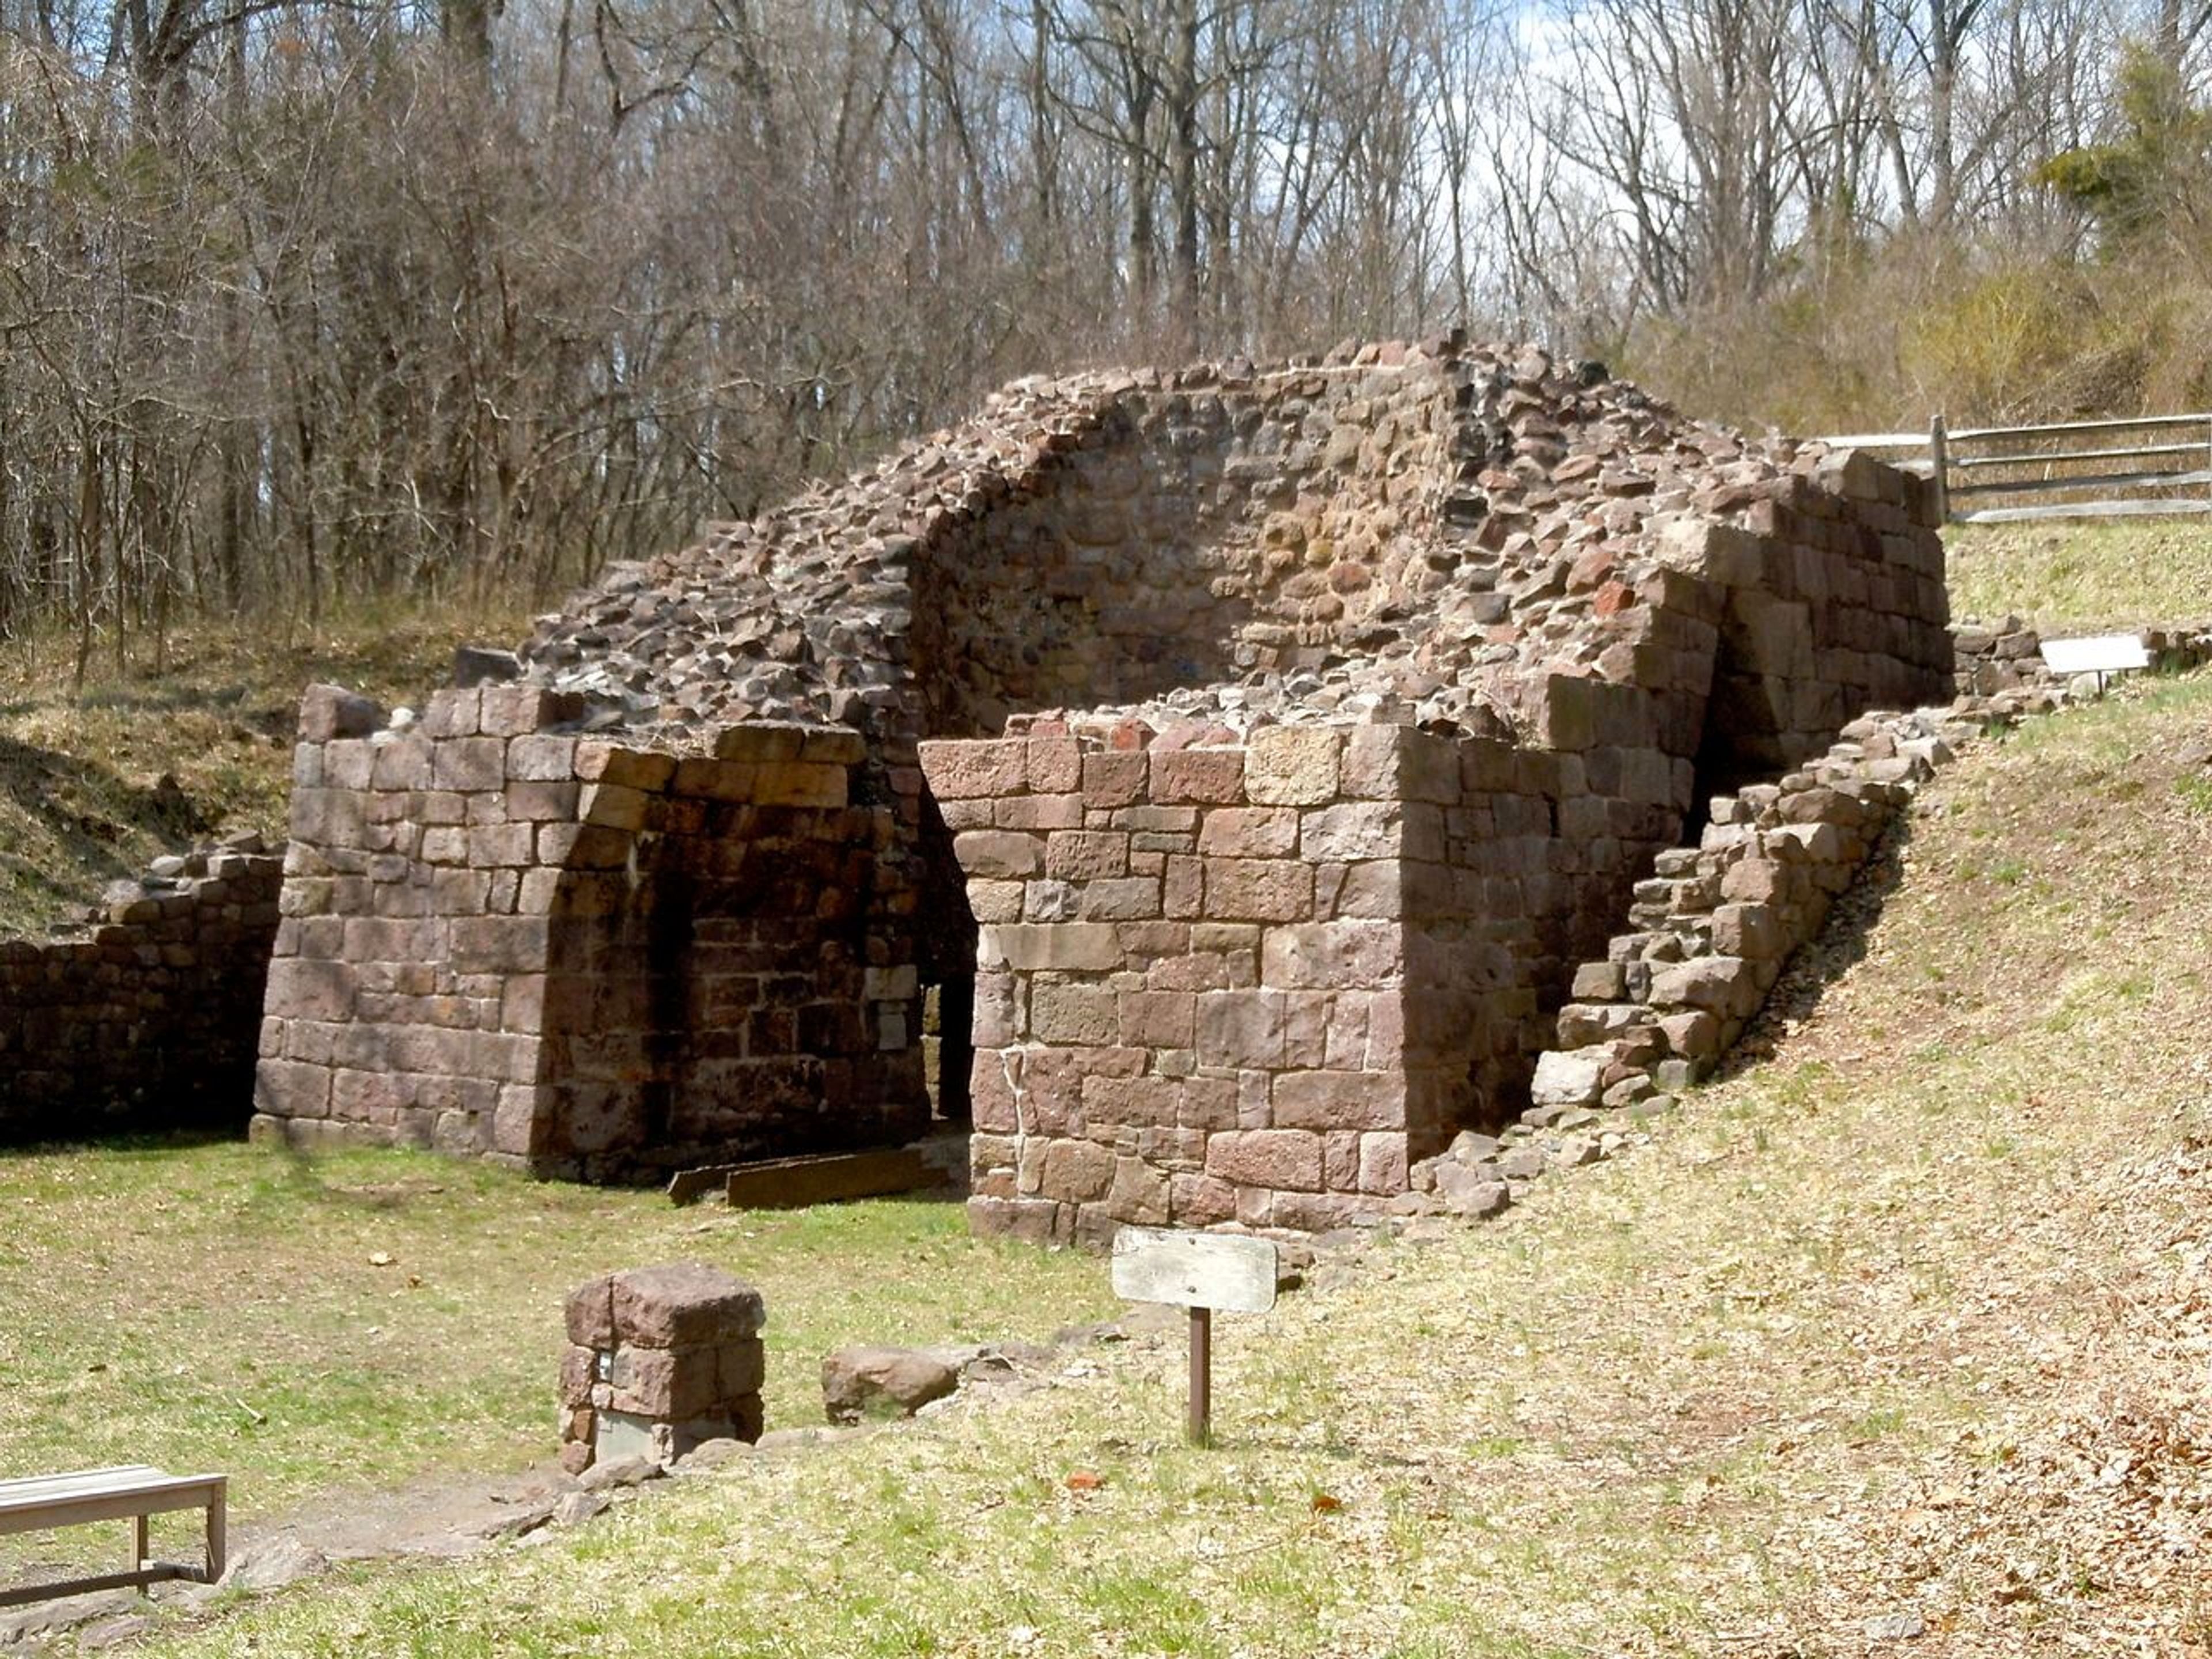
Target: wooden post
{"x":1200,"y":1272}
{"x":1202,"y":1376}
{"x":218,"y":1532}
{"x":1939,"y":467}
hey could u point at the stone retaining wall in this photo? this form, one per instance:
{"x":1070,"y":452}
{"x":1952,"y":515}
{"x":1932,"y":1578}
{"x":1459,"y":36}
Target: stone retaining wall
{"x":143,"y":1018}
{"x":1710,"y":931}
{"x":2006,"y":653}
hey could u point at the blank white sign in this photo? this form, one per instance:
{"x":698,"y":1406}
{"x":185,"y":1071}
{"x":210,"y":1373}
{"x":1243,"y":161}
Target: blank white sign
{"x":2106,"y":653}
{"x":1194,"y":1270}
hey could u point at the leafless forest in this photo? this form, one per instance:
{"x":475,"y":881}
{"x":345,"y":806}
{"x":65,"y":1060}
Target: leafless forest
{"x":302,"y":300}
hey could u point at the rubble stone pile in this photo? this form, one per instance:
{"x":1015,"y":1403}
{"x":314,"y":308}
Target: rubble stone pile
{"x":2002,"y":657}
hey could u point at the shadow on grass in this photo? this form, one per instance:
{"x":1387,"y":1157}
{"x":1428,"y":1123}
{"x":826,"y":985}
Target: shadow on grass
{"x":134,"y":1144}
{"x":1840,"y":946}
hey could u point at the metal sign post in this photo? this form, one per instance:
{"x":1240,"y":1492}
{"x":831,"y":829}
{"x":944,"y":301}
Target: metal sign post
{"x":1202,"y":1272}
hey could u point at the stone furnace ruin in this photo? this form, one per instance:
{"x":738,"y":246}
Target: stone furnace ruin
{"x":1239,"y":761}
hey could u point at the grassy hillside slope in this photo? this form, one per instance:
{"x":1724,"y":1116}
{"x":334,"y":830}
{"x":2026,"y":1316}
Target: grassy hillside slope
{"x":145,"y":760}
{"x":2119,"y":573}
{"x":1909,"y":1324}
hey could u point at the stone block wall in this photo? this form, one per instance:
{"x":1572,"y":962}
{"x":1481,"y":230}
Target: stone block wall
{"x":1712,"y":930}
{"x":1833,"y":603}
{"x":1254,"y":981}
{"x":1187,"y":533}
{"x":503,"y":936}
{"x":145,"y":1018}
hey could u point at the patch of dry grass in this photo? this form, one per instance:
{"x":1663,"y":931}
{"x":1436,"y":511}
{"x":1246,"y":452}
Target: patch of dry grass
{"x":1911,"y":1321}
{"x":152,"y":754}
{"x":2119,"y":574}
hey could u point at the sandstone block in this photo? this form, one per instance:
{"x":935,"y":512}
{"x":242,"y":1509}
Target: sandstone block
{"x":799,"y":783}
{"x":542,"y":759}
{"x":1601,"y":981}
{"x":872,"y":1381}
{"x":1085,"y":854}
{"x":1568,"y":1078}
{"x":973,"y":769}
{"x":1248,"y":832}
{"x":1207,"y":776}
{"x":1352,"y":829}
{"x":999,"y":854}
{"x":1695,"y":1035}
{"x":1748,"y":930}
{"x":464,"y":765}
{"x":1287,"y":1158}
{"x":1339,"y":1100}
{"x":1722,"y":986}
{"x":1127,"y":898}
{"x":1240,"y":1029}
{"x":514,"y":711}
{"x":1258,"y":889}
{"x":671,"y":1384}
{"x":683,"y":1304}
{"x":331,"y":711}
{"x":1293,"y":765}
{"x":1087,"y":1014}
{"x":1054,"y":765}
{"x":1058,"y":947}
{"x":1333,"y":955}
{"x":1115,"y":779}
{"x":1078,"y":1171}
{"x":1158,"y":1019}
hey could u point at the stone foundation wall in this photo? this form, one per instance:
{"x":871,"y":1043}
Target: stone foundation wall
{"x":503,"y":936}
{"x":2006,"y":653}
{"x":144,"y":1018}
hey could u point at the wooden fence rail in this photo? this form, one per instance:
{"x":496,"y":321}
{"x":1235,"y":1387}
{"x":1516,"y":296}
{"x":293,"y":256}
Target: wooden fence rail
{"x":2001,"y":464}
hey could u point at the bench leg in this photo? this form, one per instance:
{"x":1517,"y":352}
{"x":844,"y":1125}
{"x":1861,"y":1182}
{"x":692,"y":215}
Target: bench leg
{"x":218,"y":1537}
{"x":138,"y":1551}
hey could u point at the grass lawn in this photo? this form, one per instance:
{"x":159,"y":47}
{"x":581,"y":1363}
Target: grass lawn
{"x":2117,"y":574}
{"x":357,"y":1318}
{"x":1910,"y":1322}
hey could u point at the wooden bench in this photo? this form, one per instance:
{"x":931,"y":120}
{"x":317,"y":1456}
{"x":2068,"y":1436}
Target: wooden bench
{"x":135,"y":1490}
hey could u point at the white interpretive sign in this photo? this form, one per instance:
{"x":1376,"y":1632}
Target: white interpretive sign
{"x":1202,"y":1272}
{"x":2106,"y":654}
{"x":1194,"y":1270}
